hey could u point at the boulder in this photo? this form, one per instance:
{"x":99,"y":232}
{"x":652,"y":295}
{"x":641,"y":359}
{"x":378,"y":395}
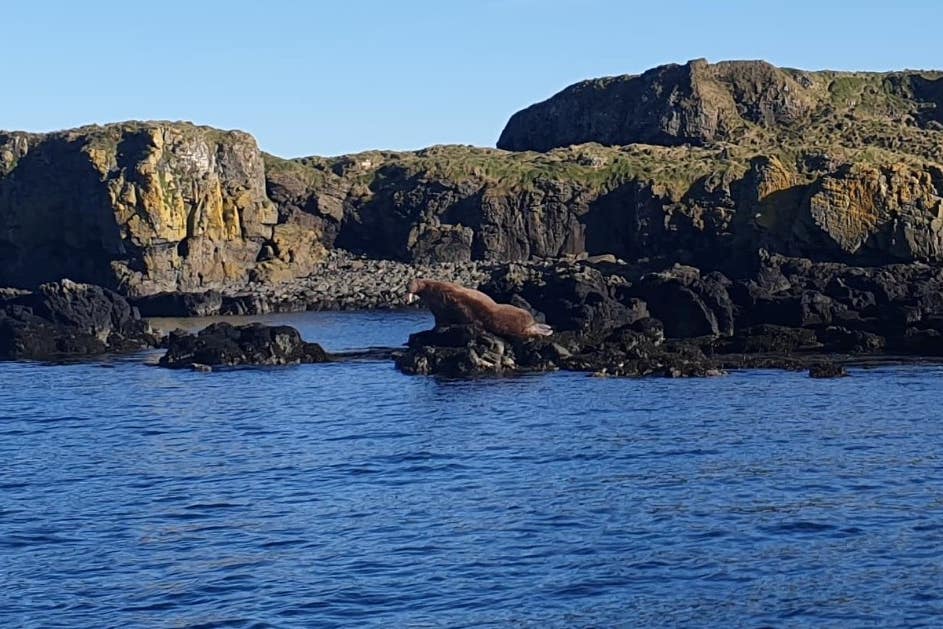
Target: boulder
{"x":228,"y":345}
{"x":67,"y":320}
{"x":571,"y":297}
{"x":466,"y":351}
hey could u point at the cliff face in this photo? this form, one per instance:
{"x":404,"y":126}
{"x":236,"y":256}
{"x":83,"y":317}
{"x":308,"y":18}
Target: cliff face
{"x":696,"y":163}
{"x":745,"y":102}
{"x":690,"y":204}
{"x":144,"y":207}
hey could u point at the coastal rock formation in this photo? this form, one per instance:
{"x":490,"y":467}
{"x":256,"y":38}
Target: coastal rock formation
{"x":66,"y":320}
{"x":630,"y":320}
{"x":228,"y":345}
{"x":700,"y":103}
{"x":460,"y":351}
{"x":142,"y":207}
{"x":698,"y":164}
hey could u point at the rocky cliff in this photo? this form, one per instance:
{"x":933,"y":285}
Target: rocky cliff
{"x":744,"y":102}
{"x":696,"y":163}
{"x":144,"y":207}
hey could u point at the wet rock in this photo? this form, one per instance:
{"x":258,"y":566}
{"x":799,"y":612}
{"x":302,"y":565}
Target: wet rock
{"x":827,"y":370}
{"x":253,"y":344}
{"x":457,"y":351}
{"x":839,"y":339}
{"x":766,"y":338}
{"x":65,"y":319}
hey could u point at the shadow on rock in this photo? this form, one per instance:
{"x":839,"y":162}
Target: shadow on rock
{"x":223,"y":344}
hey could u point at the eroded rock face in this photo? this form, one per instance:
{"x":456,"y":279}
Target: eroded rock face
{"x":894,"y":211}
{"x":222,"y":344}
{"x":144,"y":207}
{"x":68,"y":320}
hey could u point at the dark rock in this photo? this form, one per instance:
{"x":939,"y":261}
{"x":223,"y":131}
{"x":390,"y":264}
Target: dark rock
{"x":687,"y":305}
{"x":918,"y":342}
{"x":765,"y":338}
{"x":571,"y":297}
{"x":827,"y":370}
{"x":203,"y":304}
{"x":694,"y":103}
{"x":839,"y":339}
{"x":458,"y":351}
{"x":810,"y":308}
{"x":253,"y":344}
{"x":65,"y":319}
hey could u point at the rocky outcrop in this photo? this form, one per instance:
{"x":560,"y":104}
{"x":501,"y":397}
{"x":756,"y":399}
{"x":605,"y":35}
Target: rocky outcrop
{"x":64,"y":320}
{"x":700,"y":103}
{"x":624,"y":320}
{"x":222,"y":344}
{"x":143,"y":207}
{"x":464,"y":351}
{"x":711,"y":207}
{"x":891,"y":212}
{"x":700,"y":164}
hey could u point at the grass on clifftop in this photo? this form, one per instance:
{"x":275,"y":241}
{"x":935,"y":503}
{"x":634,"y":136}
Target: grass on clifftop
{"x":589,"y":167}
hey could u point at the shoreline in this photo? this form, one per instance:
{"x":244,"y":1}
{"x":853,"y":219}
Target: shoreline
{"x":610,"y":318}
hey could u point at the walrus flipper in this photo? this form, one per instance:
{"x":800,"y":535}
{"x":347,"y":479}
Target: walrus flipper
{"x":538,"y":329}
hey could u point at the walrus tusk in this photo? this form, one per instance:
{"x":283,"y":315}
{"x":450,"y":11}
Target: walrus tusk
{"x":411,"y":298}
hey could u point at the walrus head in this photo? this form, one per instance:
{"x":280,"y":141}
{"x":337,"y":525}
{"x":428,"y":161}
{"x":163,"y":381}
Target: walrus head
{"x":414,"y":289}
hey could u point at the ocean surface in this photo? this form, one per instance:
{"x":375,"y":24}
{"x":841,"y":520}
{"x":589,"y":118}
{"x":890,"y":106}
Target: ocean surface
{"x":350,"y":495}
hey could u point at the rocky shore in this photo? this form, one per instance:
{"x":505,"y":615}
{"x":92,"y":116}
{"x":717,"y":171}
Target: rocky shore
{"x":62,"y":320}
{"x":610,"y":318}
{"x":222,"y":344}
{"x":625,"y":320}
{"x":695,"y":218}
{"x":342,"y":281}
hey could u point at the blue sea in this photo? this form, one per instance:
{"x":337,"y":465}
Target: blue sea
{"x":350,"y":495}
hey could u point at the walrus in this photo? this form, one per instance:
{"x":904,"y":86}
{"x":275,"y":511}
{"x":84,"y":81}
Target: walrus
{"x":453,"y":304}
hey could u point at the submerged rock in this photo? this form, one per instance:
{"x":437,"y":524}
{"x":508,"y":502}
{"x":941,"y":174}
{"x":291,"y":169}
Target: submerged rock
{"x":229,"y":345}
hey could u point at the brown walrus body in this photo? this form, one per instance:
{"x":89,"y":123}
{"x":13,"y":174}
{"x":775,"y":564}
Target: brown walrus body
{"x":453,"y":304}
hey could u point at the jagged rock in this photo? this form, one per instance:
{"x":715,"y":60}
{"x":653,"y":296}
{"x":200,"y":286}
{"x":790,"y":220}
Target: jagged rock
{"x":892,"y":212}
{"x":65,"y":320}
{"x":686,"y":304}
{"x":767,"y":338}
{"x":571,"y":297}
{"x":229,"y":345}
{"x":701,"y":103}
{"x":464,"y":351}
{"x":141,"y":207}
{"x":741,"y":156}
{"x":693,"y":103}
{"x":839,"y":339}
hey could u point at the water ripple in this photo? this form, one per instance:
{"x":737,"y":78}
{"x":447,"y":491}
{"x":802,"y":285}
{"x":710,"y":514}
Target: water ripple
{"x":348,"y":494}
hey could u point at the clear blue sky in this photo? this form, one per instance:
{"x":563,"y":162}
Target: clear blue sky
{"x":336,"y":76}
